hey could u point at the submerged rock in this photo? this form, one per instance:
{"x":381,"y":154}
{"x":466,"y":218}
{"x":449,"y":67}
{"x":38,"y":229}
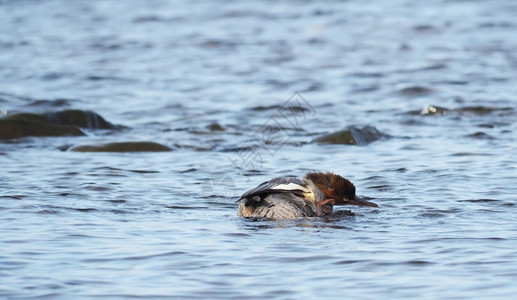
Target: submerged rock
{"x":483,"y":110}
{"x":13,"y":129}
{"x":123,"y":147}
{"x":481,"y":136}
{"x":353,"y":136}
{"x":81,"y":118}
{"x":292,"y":108}
{"x":51,"y":103}
{"x":415,"y":91}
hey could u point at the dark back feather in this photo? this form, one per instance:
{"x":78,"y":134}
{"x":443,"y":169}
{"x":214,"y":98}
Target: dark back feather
{"x":266,"y":188}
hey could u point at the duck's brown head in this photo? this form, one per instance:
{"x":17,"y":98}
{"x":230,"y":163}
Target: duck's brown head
{"x":335,"y":187}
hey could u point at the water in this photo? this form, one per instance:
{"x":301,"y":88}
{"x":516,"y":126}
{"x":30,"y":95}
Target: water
{"x":150,"y":225}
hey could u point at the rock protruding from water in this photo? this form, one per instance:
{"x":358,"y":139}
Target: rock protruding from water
{"x":433,"y":110}
{"x":215,"y":127}
{"x":353,"y":136}
{"x":60,"y":123}
{"x":14,"y":129}
{"x":123,"y":147}
{"x":80,"y":118}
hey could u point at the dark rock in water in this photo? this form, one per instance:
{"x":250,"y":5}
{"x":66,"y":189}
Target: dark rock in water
{"x":80,"y":118}
{"x":215,"y":127}
{"x":83,"y":119}
{"x":61,"y":123}
{"x":263,"y":108}
{"x":353,"y":136}
{"x":423,"y":28}
{"x":433,"y":110}
{"x":482,"y":110}
{"x":13,"y":129}
{"x":416,"y":91}
{"x":480,"y":136}
{"x":123,"y":147}
{"x":293,"y":108}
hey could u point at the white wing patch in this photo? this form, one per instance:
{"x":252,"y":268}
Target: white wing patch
{"x":290,"y":187}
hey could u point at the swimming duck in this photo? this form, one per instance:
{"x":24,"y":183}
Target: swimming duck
{"x":313,"y":195}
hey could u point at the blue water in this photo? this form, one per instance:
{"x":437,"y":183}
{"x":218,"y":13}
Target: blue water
{"x":150,"y":225}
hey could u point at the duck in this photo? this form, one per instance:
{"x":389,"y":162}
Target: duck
{"x":289,"y":197}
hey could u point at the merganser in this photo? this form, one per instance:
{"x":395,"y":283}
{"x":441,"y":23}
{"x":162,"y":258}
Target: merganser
{"x":313,"y":195}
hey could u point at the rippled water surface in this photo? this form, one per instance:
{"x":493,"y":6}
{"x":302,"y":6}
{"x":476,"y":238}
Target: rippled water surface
{"x":205,"y":78}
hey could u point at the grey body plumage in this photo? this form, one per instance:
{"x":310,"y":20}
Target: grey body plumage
{"x":281,"y":198}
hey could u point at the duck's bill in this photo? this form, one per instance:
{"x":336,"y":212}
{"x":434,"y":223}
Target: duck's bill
{"x":361,"y":202}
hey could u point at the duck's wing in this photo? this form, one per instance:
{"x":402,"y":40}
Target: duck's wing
{"x":276,"y":185}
